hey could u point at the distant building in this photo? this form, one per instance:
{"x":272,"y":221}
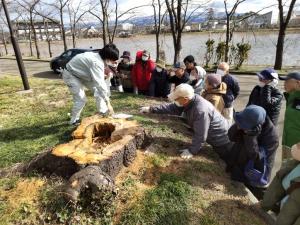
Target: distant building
{"x":295,"y":19}
{"x":187,"y":28}
{"x":269,"y":19}
{"x":125,"y":27}
{"x":196,"y":27}
{"x":43,"y":28}
{"x":90,"y":32}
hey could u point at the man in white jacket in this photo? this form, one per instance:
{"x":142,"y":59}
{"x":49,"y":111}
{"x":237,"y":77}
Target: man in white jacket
{"x":88,"y":70}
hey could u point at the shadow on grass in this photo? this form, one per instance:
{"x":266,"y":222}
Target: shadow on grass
{"x":31,"y":133}
{"x":47,"y":74}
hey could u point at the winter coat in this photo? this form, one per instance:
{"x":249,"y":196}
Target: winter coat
{"x":159,"y":85}
{"x":215,"y":96}
{"x":177,"y":81}
{"x":233,"y":90}
{"x":247,"y":145}
{"x":207,"y":123}
{"x":290,"y":212}
{"x":291,"y":129}
{"x":269,"y":98}
{"x":125,"y":69}
{"x":141,"y":73}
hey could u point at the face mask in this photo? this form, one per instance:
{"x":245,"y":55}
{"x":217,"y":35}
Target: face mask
{"x":158,"y":69}
{"x":177,"y":104}
{"x":261,"y":84}
{"x":126,"y":61}
{"x":274,"y":83}
{"x":220,"y":72}
{"x":145,"y":58}
{"x":172,"y":73}
{"x":109,"y":63}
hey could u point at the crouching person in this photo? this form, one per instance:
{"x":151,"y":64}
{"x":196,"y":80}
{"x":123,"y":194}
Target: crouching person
{"x":284,"y":191}
{"x":207,"y":123}
{"x":256,"y":141}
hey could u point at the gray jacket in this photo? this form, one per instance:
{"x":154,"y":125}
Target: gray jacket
{"x":207,"y":123}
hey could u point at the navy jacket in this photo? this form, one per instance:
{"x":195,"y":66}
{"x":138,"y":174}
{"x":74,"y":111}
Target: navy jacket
{"x":269,"y":98}
{"x":177,"y":81}
{"x":159,"y":84}
{"x":233,"y":90}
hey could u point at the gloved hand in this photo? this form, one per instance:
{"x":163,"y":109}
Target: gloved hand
{"x":255,"y":131}
{"x":145,"y":109}
{"x":110,"y":108}
{"x":185,"y":154}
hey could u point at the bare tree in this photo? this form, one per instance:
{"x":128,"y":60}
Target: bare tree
{"x":3,"y":24}
{"x":230,"y":29}
{"x":180,"y":13}
{"x":76,"y":12}
{"x":158,"y":21}
{"x":29,"y":6}
{"x":283,"y":24}
{"x":110,"y":12}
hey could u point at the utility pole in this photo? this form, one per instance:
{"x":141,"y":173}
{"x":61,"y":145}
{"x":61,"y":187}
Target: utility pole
{"x":16,"y":49}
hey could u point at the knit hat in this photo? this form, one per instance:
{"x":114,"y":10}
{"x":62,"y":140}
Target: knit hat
{"x":182,"y":90}
{"x":293,"y":75}
{"x":126,"y":54}
{"x":250,"y":117}
{"x":214,"y":79}
{"x":160,"y":63}
{"x":295,"y":151}
{"x":268,"y":74}
{"x":179,"y":65}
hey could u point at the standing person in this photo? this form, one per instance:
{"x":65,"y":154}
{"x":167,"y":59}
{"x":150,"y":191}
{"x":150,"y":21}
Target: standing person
{"x":190,"y":63}
{"x":87,"y":70}
{"x":159,"y":85}
{"x":267,"y":95}
{"x":197,"y":76}
{"x":214,"y":91}
{"x":291,"y":129}
{"x":124,"y":72}
{"x":232,"y":92}
{"x":141,"y":72}
{"x":284,"y":191}
{"x":207,"y":123}
{"x":178,"y":74}
{"x":255,"y":143}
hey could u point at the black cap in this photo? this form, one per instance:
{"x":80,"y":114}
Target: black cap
{"x":293,"y":75}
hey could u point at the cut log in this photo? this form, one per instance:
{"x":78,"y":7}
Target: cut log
{"x":98,"y":151}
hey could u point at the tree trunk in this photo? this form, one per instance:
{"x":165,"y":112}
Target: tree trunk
{"x":30,"y":43}
{"x":104,"y":29}
{"x":157,"y":46}
{"x":4,"y":42}
{"x":177,"y":48}
{"x":74,"y":37}
{"x":34,"y":36}
{"x":279,"y":49}
{"x":227,"y":38}
{"x":63,"y":32}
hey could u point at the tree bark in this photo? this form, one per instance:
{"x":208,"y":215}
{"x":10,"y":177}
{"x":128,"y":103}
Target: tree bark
{"x":279,"y":49}
{"x":227,"y":38}
{"x":34,"y":36}
{"x":63,"y":32}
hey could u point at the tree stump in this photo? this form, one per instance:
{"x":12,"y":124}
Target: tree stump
{"x":98,"y":151}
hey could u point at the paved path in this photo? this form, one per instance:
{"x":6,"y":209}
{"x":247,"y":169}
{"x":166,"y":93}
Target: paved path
{"x":42,"y":70}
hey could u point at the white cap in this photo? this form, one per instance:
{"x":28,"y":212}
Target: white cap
{"x":295,"y":151}
{"x":182,"y":90}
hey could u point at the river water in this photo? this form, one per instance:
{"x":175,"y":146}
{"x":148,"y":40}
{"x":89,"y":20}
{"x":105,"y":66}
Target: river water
{"x":262,"y":52}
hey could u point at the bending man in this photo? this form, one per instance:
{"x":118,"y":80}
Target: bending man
{"x":87,"y":70}
{"x":207,"y":123}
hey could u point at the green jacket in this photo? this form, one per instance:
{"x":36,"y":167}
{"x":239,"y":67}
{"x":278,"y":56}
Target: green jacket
{"x":290,"y":212}
{"x":291,"y":130}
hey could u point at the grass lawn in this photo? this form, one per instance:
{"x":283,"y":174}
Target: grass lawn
{"x":158,"y":188}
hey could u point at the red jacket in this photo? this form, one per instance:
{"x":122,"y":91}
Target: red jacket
{"x":141,"y":72}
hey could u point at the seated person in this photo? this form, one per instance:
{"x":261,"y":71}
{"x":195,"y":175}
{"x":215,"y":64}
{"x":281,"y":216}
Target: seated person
{"x":122,"y":80}
{"x":207,"y":123}
{"x":189,"y":63}
{"x":284,"y":191}
{"x":197,"y":79}
{"x":267,"y":95}
{"x":178,"y":75}
{"x":255,"y":142}
{"x":159,"y":85}
{"x":214,"y":90}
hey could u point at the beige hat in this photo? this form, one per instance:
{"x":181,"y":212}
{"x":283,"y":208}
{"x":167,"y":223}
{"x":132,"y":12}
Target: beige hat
{"x":296,"y":151}
{"x":182,"y":90}
{"x":160,"y":63}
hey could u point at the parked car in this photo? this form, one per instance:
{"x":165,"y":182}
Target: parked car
{"x":59,"y":63}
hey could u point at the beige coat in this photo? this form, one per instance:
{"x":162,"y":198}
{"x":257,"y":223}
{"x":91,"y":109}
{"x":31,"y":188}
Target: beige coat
{"x":215,"y":96}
